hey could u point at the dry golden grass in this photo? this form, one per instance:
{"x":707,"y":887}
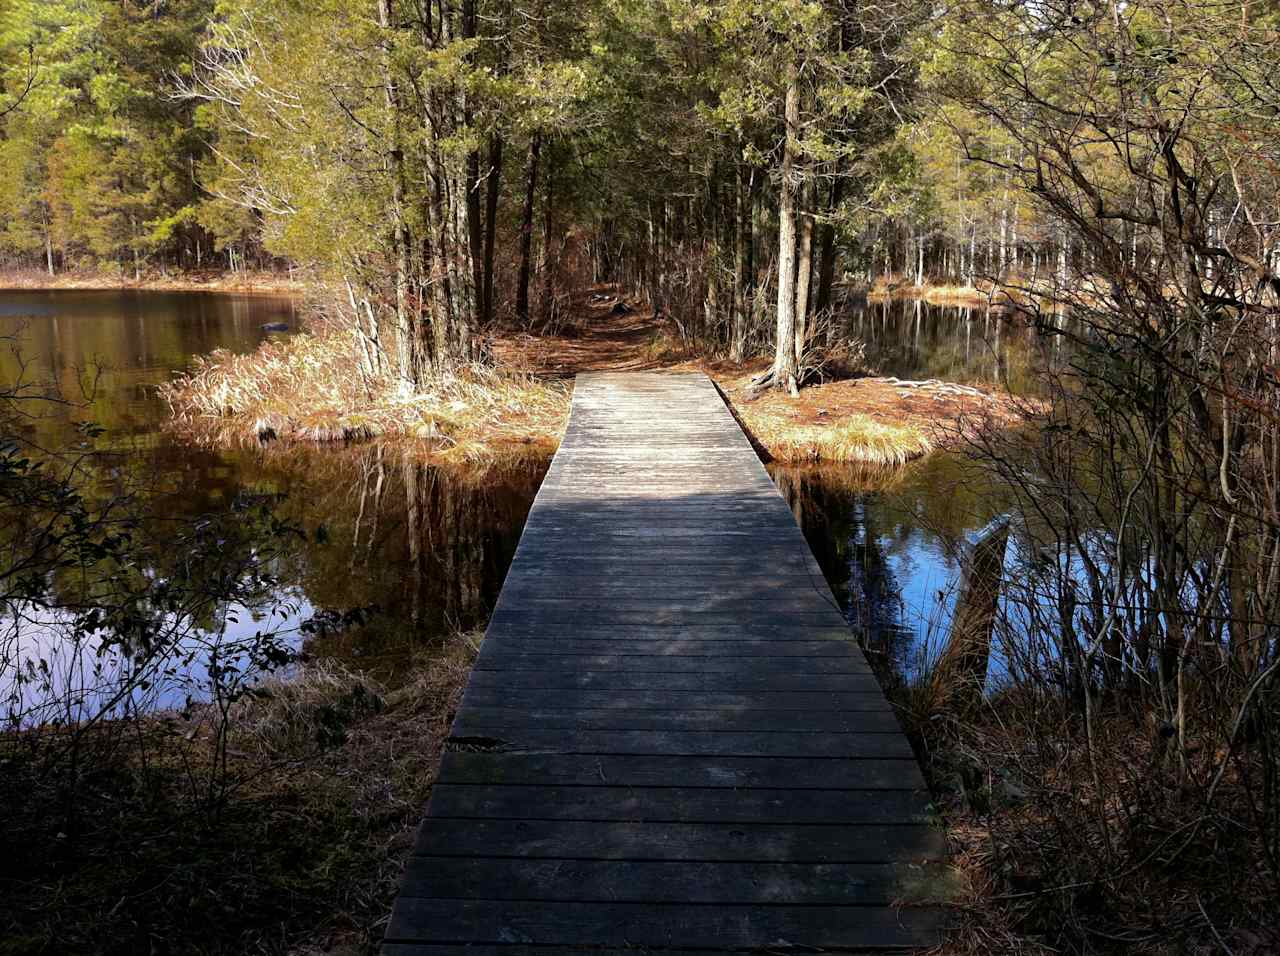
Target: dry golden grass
{"x":855,"y":439}
{"x":309,"y":388}
{"x":327,"y":773}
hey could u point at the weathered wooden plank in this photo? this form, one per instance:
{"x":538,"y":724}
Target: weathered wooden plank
{"x":497,"y":721}
{"x":678,"y":587}
{"x":651,"y":840}
{"x":680,"y":804}
{"x":554,"y":769}
{"x":568,"y":617}
{"x":675,"y":700}
{"x":729,"y":668}
{"x":648,"y":924}
{"x":750,"y":630}
{"x":512,"y":949}
{"x":562,"y":679}
{"x":685,"y":648}
{"x":785,"y":604}
{"x":637,"y":881}
{"x":697,"y":743}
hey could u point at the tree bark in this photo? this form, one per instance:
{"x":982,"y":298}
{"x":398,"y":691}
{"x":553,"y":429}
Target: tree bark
{"x":742,"y":265}
{"x":406,"y":328}
{"x":827,"y":253}
{"x":526,"y":226}
{"x":490,"y":228}
{"x":784,"y":360}
{"x":804,"y":270}
{"x":548,"y":283}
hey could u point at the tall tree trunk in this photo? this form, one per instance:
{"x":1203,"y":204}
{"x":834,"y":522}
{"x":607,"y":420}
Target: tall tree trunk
{"x":784,"y":360}
{"x":490,"y":228}
{"x":804,"y":271}
{"x":406,"y":329}
{"x":742,"y":265}
{"x":827,"y":254}
{"x":548,"y":283}
{"x":526,"y":226}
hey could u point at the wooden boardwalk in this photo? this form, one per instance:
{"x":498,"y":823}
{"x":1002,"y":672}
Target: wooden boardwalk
{"x":669,"y":741}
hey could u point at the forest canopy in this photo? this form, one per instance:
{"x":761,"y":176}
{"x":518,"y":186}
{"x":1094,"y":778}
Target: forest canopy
{"x":455,"y":163}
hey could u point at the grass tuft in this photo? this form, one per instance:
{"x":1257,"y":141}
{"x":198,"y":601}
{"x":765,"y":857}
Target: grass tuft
{"x":310,"y":388}
{"x":853,"y":439}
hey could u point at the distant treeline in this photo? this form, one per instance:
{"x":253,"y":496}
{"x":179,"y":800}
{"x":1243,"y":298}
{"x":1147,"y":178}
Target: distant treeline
{"x":731,"y":161}
{"x":100,"y":161}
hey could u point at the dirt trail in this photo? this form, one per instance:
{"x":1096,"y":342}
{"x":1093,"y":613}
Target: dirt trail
{"x":603,"y":333}
{"x":864,"y":418}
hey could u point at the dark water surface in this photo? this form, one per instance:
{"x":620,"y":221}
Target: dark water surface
{"x":423,"y":550}
{"x":913,"y":339}
{"x":427,"y":549}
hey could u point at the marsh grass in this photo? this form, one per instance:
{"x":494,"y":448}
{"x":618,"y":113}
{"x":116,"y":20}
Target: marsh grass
{"x":851,"y":439}
{"x":310,"y":388}
{"x":331,"y":773}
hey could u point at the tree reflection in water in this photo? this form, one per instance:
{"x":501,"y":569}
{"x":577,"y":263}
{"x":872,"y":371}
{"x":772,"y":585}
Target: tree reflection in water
{"x":890,"y":545}
{"x":424,"y":548}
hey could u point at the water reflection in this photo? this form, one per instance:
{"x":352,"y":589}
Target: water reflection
{"x":428,"y":549}
{"x":891,"y":545}
{"x":913,"y":339}
{"x":117,"y":345}
{"x":425,"y":550}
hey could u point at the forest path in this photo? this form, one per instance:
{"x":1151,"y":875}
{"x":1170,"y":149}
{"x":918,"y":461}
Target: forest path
{"x":669,"y":740}
{"x":601,"y":331}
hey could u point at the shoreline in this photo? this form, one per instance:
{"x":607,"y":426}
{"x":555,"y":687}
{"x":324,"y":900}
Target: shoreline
{"x":307,"y":391}
{"x":256,"y":283}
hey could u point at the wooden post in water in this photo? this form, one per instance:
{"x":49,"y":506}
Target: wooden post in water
{"x":962,"y":669}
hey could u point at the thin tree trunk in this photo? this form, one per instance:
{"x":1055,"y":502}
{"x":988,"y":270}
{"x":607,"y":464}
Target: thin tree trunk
{"x":405,"y":326}
{"x":742,"y":265}
{"x":804,"y":272}
{"x":548,"y":283}
{"x":784,"y":362}
{"x":526,"y":226}
{"x":827,"y":255}
{"x":490,"y":228}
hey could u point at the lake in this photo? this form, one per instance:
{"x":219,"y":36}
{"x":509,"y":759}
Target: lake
{"x":423,"y":550}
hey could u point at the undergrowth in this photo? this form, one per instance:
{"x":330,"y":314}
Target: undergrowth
{"x":1072,"y":847}
{"x":330,"y":771}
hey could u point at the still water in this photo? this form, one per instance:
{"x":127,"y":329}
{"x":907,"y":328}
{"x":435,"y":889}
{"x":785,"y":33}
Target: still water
{"x":969,"y":344}
{"x":424,"y":550}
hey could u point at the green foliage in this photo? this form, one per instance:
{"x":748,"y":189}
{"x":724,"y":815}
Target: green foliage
{"x":99,"y":156}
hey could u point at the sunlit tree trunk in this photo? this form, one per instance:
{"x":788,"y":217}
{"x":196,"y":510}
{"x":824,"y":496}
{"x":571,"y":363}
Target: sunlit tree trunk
{"x":548,"y":267}
{"x":804,"y":271}
{"x":742,"y":264}
{"x":490,"y":227}
{"x":784,"y":361}
{"x":406,"y":330}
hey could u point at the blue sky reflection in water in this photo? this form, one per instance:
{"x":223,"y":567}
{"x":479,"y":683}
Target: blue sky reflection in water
{"x":891,"y":546}
{"x":422,"y":550}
